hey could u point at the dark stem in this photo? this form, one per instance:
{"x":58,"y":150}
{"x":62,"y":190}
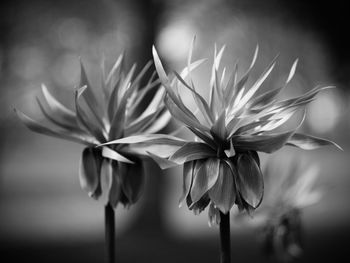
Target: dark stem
{"x":110,"y":233}
{"x":225,"y":241}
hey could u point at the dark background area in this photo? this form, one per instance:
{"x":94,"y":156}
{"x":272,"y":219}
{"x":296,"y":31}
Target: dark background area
{"x":46,"y":217}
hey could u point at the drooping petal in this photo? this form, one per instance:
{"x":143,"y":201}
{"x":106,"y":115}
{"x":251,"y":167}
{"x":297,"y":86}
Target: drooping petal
{"x":214,"y":215}
{"x":133,"y":180}
{"x":223,"y":192}
{"x":115,"y":192}
{"x":90,"y":168}
{"x":250,"y":180}
{"x":187,"y":180}
{"x":205,"y":178}
{"x":192,"y":151}
{"x":308,"y":142}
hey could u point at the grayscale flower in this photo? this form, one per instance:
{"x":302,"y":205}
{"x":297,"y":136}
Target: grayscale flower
{"x":116,"y":111}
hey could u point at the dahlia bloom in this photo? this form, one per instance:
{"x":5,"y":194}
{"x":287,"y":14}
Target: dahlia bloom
{"x":112,"y":113}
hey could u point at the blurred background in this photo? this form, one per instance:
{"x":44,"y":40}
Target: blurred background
{"x":44,"y":214}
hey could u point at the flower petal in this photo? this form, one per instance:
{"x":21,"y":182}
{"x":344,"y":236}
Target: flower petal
{"x":308,"y":142}
{"x":205,"y":178}
{"x":62,"y":134}
{"x":90,"y":168}
{"x":223,"y":193}
{"x":213,"y":215}
{"x":187,"y":180}
{"x":133,"y":180}
{"x":192,"y":151}
{"x":115,"y":192}
{"x":114,"y":155}
{"x":262,"y":143}
{"x":250,"y":180}
{"x":150,"y":138}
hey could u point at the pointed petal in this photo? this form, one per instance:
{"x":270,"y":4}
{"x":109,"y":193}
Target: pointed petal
{"x":205,"y":178}
{"x":250,"y":180}
{"x":192,"y":151}
{"x":133,"y":180}
{"x":90,"y":168}
{"x":150,"y":138}
{"x":62,"y":134}
{"x":219,"y":129}
{"x":308,"y":142}
{"x":213,"y":215}
{"x":223,"y":193}
{"x":187,"y":180}
{"x":115,"y":192}
{"x":262,"y":143}
{"x":114,"y":155}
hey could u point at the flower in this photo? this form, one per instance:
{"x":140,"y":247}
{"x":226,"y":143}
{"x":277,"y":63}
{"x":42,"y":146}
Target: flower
{"x":221,"y":166}
{"x":98,"y":118}
{"x":289,"y":185}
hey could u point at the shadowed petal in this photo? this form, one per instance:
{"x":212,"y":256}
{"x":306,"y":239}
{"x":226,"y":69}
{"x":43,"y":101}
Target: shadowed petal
{"x":192,"y":151}
{"x":90,"y":168}
{"x":133,"y":180}
{"x":187,"y":180}
{"x":205,"y":178}
{"x":223,"y":193}
{"x":250,"y":180}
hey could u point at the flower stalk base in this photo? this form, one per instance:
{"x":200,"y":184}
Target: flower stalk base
{"x":225,"y":239}
{"x":110,"y":233}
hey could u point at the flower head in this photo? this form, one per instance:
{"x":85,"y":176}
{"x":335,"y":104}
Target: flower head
{"x":221,"y":166}
{"x":289,"y":190}
{"x":114,"y":112}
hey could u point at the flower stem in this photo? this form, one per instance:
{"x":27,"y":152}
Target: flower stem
{"x":225,"y":241}
{"x":110,"y":233}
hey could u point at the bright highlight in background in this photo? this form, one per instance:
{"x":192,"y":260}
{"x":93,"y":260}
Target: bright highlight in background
{"x":174,"y":40}
{"x":324,"y":112}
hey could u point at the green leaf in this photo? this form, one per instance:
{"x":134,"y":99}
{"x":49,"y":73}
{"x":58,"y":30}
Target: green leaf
{"x":223,"y":192}
{"x":90,"y":168}
{"x":187,"y":180}
{"x":114,"y":155}
{"x":308,"y":142}
{"x":192,"y":151}
{"x":250,"y":180}
{"x":62,"y":134}
{"x":205,"y":178}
